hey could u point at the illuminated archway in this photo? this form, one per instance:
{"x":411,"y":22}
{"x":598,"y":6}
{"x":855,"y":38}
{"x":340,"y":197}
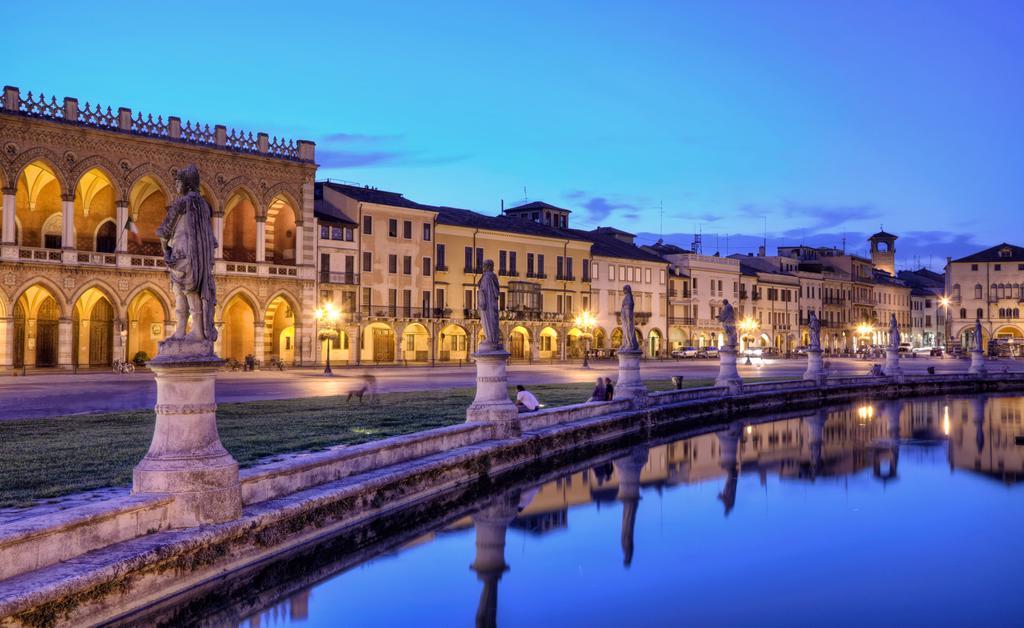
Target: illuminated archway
{"x":95,"y":198}
{"x":654,"y":343}
{"x":279,"y":329}
{"x":616,"y":342}
{"x":548,"y":343}
{"x":378,"y":344}
{"x":280,"y":232}
{"x":147,"y":206}
{"x":92,"y":331}
{"x":415,"y":343}
{"x":36,"y":335}
{"x":239,"y":237}
{"x":574,"y":343}
{"x":37,"y":199}
{"x":454,"y":344}
{"x":147,"y":323}
{"x":237,"y":334}
{"x":519,"y":343}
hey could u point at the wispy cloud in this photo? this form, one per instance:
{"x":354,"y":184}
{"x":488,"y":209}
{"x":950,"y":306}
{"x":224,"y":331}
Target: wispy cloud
{"x":359,"y":150}
{"x":598,"y":208}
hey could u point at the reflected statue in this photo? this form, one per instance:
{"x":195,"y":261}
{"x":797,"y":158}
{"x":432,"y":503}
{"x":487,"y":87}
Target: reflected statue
{"x":894,"y":332}
{"x":816,"y":438}
{"x":491,"y":525}
{"x":728,"y":445}
{"x":188,"y":243}
{"x":487,"y":302}
{"x":814,"y":325}
{"x":628,"y":323}
{"x":628,"y":469}
{"x":727,"y":317}
{"x":978,"y":404}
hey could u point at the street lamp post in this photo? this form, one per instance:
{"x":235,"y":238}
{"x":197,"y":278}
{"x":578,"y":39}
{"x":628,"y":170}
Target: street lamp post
{"x":865,"y":330}
{"x":944,"y":302}
{"x":585,"y":321}
{"x":748,"y":326}
{"x":327,"y":319}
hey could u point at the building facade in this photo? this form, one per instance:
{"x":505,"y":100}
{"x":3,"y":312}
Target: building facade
{"x":987,"y":286}
{"x":77,"y":290}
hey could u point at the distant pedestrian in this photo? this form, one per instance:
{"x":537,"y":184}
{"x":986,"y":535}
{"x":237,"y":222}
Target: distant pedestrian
{"x":599,"y":393}
{"x":609,"y":389}
{"x":525,"y":400}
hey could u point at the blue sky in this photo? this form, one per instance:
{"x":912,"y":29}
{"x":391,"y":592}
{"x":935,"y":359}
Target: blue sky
{"x":826,"y":119}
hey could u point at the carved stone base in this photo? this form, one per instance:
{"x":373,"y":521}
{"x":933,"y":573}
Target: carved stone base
{"x":815,"y":366}
{"x":491,"y":403}
{"x":892,"y":363}
{"x":186,"y":458}
{"x":728,"y":375}
{"x":977,"y":363}
{"x":629,"y":385}
{"x":174,"y":350}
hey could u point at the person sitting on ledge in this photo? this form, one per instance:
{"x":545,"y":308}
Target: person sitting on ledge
{"x":525,"y":401}
{"x":609,"y":389}
{"x":599,"y":391}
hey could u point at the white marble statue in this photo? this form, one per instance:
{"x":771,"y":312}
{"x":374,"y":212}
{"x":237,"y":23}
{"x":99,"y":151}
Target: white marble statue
{"x":894,"y":333}
{"x":815,"y":327}
{"x":628,"y":325}
{"x":187,"y":239}
{"x":487,"y":302}
{"x":727,"y":317}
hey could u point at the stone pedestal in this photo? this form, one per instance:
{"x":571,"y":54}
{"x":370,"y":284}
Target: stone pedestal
{"x":892,"y":362}
{"x":186,"y":458}
{"x":977,"y":363}
{"x":491,"y":403}
{"x":815,"y":366}
{"x":727,"y":374}
{"x":629,"y":384}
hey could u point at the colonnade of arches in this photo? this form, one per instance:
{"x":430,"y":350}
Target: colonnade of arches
{"x":90,"y":212}
{"x":782,"y":341}
{"x":93,"y":328}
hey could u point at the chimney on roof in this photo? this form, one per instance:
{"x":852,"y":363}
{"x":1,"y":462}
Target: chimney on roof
{"x":760,"y":251}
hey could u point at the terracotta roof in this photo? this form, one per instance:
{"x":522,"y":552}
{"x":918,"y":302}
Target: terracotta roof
{"x":537,"y":205}
{"x":607,"y":245}
{"x":992,"y":254}
{"x":470,"y":218}
{"x":884,"y":234}
{"x":373,"y":195}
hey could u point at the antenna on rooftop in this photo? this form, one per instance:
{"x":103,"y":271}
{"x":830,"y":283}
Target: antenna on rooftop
{"x":697,"y":246}
{"x":661,"y":219}
{"x":525,"y":197}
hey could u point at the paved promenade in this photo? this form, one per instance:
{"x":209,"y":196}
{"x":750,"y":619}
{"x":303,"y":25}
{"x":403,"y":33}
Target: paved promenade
{"x":49,"y":394}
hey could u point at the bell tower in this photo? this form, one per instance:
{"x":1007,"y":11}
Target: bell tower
{"x":883,"y":252}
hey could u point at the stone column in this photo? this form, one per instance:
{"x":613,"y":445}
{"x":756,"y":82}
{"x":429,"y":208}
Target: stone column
{"x":300,"y":234}
{"x":628,"y":471}
{"x":64,"y":340}
{"x":630,"y":385}
{"x":815,"y":367}
{"x":68,"y":241}
{"x":728,"y":443}
{"x":491,"y":403}
{"x":261,"y":238}
{"x":977,"y":363}
{"x":535,"y":344}
{"x":7,"y":347}
{"x":491,"y":525}
{"x":399,"y":347}
{"x":122,"y":234}
{"x":9,"y":214}
{"x":218,"y":232}
{"x":259,"y":340}
{"x":728,"y":375}
{"x":186,"y":458}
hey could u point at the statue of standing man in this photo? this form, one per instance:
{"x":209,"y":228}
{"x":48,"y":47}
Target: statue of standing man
{"x":979,"y":343}
{"x":487,"y":302}
{"x":894,"y":332}
{"x":629,"y":341}
{"x":187,"y":239}
{"x":815,"y":326}
{"x":727,"y":317}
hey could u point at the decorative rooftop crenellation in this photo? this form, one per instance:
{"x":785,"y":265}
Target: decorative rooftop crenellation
{"x":95,"y":115}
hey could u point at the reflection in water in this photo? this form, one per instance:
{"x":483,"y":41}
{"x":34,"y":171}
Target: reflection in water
{"x":827,"y":448}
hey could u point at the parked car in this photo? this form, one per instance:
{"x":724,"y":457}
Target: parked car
{"x":708,"y":352}
{"x":685,"y":352}
{"x":905,"y":347}
{"x":770,"y":352}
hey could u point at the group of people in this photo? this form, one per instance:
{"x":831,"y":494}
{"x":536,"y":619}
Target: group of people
{"x":526,"y":401}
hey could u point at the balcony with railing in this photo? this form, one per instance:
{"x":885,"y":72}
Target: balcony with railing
{"x":641,"y":318}
{"x":682,"y":320}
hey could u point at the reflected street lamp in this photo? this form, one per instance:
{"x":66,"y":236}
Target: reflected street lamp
{"x":327,"y":320}
{"x":585,"y":321}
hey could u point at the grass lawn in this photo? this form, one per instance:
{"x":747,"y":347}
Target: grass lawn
{"x":45,"y":458}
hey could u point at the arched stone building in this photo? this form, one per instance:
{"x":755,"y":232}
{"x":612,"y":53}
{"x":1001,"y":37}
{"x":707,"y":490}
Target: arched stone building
{"x":77,"y":289}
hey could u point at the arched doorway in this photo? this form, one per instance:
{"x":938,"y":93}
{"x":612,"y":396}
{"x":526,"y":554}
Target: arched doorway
{"x":548,"y":343}
{"x":415,"y":343}
{"x":36,"y":328}
{"x":574,"y":343}
{"x":239,"y":237}
{"x":279,"y":322}
{"x":94,"y":206}
{"x":146,"y":325}
{"x":378,"y":343}
{"x":237,"y":332}
{"x":453,"y":344}
{"x":280,"y":232}
{"x":46,"y":340}
{"x":654,"y":343}
{"x":92,"y":330}
{"x":37,"y":199}
{"x":600,"y":340}
{"x":616,"y":338}
{"x":519,"y":343}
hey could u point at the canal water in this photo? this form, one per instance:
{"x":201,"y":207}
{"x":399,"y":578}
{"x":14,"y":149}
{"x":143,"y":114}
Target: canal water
{"x":877,"y":513}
